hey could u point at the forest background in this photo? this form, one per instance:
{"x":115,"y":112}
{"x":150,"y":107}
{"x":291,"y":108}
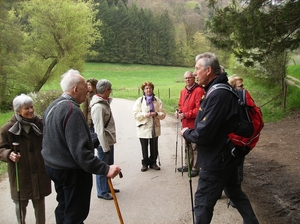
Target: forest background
{"x":41,"y":39}
{"x":130,"y":41}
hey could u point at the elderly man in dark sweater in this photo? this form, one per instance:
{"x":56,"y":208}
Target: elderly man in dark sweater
{"x":68,"y":151}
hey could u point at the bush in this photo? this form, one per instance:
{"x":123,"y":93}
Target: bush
{"x":6,"y":106}
{"x":43,"y":99}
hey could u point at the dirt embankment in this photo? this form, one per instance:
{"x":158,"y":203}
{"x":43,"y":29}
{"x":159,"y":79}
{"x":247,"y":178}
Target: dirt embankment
{"x":272,"y":172}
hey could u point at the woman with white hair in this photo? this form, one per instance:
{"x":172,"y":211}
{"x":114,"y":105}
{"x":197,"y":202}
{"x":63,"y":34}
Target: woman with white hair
{"x":25,"y":129}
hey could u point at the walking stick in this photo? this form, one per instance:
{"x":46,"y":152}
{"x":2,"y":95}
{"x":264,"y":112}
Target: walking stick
{"x":190,"y":180}
{"x":181,"y":156}
{"x":177,"y":124}
{"x":158,"y":158}
{"x":115,"y":197}
{"x":154,"y":136}
{"x":16,"y":144}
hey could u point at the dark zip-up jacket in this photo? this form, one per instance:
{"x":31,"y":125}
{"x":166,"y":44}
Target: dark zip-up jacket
{"x":217,"y":117}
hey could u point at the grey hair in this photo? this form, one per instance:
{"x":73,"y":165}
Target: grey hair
{"x":103,"y":85}
{"x":187,"y":73}
{"x":209,"y":60}
{"x":70,"y":79}
{"x":20,"y":101}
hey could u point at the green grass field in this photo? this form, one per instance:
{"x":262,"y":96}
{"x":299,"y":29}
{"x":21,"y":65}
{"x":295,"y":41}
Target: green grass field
{"x":127,"y":79}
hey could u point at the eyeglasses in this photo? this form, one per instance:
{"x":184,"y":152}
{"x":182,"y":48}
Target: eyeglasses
{"x":240,"y":86}
{"x":189,"y":77}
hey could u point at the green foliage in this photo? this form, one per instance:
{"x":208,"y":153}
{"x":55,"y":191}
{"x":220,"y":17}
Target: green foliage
{"x":293,"y":98}
{"x":43,"y":38}
{"x":132,"y":35}
{"x":266,"y":94}
{"x":43,"y":99}
{"x":294,"y":70}
{"x":255,"y":29}
{"x":5,"y":117}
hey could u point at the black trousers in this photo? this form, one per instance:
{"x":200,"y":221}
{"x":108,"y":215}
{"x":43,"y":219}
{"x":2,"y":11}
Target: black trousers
{"x":153,"y":142}
{"x":73,"y":188}
{"x":209,"y":190}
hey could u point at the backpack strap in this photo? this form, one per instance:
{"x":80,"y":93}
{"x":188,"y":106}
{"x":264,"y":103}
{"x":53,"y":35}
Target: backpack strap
{"x":106,"y":124}
{"x":221,"y":86}
{"x":240,"y":94}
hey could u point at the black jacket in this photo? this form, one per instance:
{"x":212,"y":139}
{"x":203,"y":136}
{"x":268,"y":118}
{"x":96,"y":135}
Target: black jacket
{"x":217,"y":117}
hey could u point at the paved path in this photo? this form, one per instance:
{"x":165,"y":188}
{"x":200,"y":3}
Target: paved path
{"x":160,"y":197}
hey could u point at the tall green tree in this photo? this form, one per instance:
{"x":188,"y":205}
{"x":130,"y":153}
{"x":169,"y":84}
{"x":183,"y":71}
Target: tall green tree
{"x":130,"y":35}
{"x":11,"y":41}
{"x":59,"y":35}
{"x":258,"y":31}
{"x":44,"y":38}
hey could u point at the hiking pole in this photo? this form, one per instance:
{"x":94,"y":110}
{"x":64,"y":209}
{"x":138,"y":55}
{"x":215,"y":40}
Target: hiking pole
{"x":181,"y":156}
{"x":155,"y":141}
{"x":115,"y":197}
{"x":177,"y":126}
{"x":190,"y":180}
{"x":16,"y":144}
{"x":158,"y":158}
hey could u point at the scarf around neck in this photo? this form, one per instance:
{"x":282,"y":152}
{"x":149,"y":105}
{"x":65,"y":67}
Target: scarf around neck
{"x":17,"y":127}
{"x":149,"y":101}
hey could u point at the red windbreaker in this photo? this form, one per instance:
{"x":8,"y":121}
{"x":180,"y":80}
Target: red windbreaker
{"x":189,"y":103}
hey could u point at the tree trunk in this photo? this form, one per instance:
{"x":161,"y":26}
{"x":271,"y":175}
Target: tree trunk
{"x":47,"y":75}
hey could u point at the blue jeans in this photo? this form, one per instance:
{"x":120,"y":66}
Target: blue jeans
{"x":101,"y":180}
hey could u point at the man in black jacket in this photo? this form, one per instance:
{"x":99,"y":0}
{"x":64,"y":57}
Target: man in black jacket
{"x":217,"y":117}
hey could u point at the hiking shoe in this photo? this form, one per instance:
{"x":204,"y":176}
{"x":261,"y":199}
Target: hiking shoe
{"x":183,"y":169}
{"x":194,"y":173}
{"x":144,"y":168}
{"x":115,"y":190}
{"x":106,"y":197}
{"x":155,"y":167}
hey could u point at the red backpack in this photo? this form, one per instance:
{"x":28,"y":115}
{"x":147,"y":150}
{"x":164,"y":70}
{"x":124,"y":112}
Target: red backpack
{"x":251,"y":123}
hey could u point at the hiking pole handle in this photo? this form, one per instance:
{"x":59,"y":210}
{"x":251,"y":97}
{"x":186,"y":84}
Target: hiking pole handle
{"x":15,"y":146}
